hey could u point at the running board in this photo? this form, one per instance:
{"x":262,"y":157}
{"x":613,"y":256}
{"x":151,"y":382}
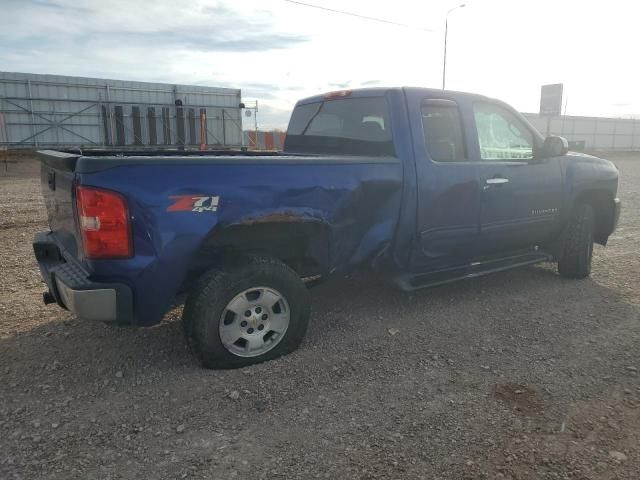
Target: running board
{"x":410,"y":282}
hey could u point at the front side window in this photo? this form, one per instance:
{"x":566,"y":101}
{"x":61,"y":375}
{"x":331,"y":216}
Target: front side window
{"x":501,"y":135}
{"x":356,"y":126}
{"x":443,"y":134}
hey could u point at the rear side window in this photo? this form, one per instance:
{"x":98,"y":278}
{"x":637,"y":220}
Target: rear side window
{"x":353,"y":126}
{"x":443,"y":133}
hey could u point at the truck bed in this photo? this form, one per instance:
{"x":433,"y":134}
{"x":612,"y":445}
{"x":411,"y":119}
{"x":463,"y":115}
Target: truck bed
{"x":341,"y":209}
{"x":90,"y":161}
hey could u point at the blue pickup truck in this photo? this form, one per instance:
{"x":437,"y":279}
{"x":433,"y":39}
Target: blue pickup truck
{"x":423,"y":186}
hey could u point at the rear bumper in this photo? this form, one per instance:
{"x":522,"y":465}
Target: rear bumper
{"x":70,"y":287}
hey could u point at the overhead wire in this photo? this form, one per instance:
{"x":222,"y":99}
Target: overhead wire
{"x":357,"y":15}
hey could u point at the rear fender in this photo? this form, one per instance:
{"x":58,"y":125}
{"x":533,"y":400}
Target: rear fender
{"x":301,"y":243}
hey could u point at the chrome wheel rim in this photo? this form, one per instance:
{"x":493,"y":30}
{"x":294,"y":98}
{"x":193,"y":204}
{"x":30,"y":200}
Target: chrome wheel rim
{"x":254,"y":321}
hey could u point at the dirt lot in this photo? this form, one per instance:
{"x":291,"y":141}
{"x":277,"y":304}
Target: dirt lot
{"x":520,"y":375}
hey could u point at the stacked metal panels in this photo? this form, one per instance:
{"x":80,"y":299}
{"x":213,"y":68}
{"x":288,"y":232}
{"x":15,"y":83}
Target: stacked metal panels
{"x":44,"y":111}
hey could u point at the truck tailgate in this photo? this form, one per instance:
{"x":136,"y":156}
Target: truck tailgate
{"x":57,"y":183}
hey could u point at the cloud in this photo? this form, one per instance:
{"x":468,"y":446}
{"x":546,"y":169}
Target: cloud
{"x":270,"y":117}
{"x":53,"y":24}
{"x":277,"y":52}
{"x":204,"y":40}
{"x":213,"y":44}
{"x":52,"y":4}
{"x":340,"y":84}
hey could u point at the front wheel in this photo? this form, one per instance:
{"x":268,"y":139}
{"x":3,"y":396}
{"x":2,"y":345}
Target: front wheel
{"x":575,"y":261}
{"x":238,"y":316}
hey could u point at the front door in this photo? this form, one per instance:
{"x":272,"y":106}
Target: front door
{"x":520,"y":193}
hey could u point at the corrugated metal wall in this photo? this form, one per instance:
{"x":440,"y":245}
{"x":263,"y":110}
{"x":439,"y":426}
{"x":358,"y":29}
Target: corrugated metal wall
{"x":597,"y":133}
{"x":57,"y":111}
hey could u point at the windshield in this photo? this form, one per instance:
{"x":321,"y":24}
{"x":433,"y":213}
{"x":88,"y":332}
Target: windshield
{"x":355,"y":126}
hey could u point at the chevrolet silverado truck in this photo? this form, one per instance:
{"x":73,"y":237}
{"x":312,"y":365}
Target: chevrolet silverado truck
{"x":423,"y":186}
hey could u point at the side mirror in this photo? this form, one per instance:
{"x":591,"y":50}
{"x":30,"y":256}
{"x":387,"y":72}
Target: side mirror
{"x":555,"y":146}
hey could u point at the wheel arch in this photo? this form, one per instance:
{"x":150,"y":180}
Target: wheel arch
{"x":601,"y":200}
{"x":301,"y":245}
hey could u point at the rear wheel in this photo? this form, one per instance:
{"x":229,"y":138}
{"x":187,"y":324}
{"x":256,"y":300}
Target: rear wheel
{"x":256,"y":311}
{"x":575,"y":261}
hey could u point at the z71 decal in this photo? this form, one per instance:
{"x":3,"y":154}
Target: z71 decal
{"x":194,"y":203}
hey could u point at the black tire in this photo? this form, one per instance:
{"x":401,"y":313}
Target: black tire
{"x":575,"y":261}
{"x":216,"y":288}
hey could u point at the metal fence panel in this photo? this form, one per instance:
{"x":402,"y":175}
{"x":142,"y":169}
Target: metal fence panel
{"x":598,"y":133}
{"x":264,"y":140}
{"x":624,"y":127}
{"x":57,"y":111}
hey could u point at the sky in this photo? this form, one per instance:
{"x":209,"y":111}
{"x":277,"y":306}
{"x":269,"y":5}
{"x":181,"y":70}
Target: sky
{"x":277,"y":51}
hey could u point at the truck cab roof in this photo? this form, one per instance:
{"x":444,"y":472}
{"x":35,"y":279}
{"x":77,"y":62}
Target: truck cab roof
{"x":381,"y":91}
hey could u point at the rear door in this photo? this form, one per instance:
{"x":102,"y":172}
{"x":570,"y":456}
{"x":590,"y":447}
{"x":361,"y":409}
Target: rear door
{"x":520,"y":195}
{"x":447,"y":180}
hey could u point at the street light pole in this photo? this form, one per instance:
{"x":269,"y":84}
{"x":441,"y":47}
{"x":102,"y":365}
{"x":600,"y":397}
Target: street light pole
{"x":446,"y":30}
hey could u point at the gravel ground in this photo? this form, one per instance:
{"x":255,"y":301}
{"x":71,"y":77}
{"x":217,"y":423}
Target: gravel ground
{"x":519,"y":375}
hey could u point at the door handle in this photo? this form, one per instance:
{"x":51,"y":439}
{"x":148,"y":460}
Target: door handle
{"x":496,"y":181}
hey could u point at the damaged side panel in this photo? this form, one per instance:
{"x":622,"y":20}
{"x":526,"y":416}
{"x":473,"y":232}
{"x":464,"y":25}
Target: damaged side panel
{"x":345,"y":215}
{"x":316,"y":215}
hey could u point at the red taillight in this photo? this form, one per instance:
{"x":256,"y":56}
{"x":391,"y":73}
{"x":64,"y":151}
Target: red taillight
{"x":337,"y":94}
{"x":103,"y":220}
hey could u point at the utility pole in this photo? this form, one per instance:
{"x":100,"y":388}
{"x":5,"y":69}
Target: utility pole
{"x":255,"y":119}
{"x":446,"y":31}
